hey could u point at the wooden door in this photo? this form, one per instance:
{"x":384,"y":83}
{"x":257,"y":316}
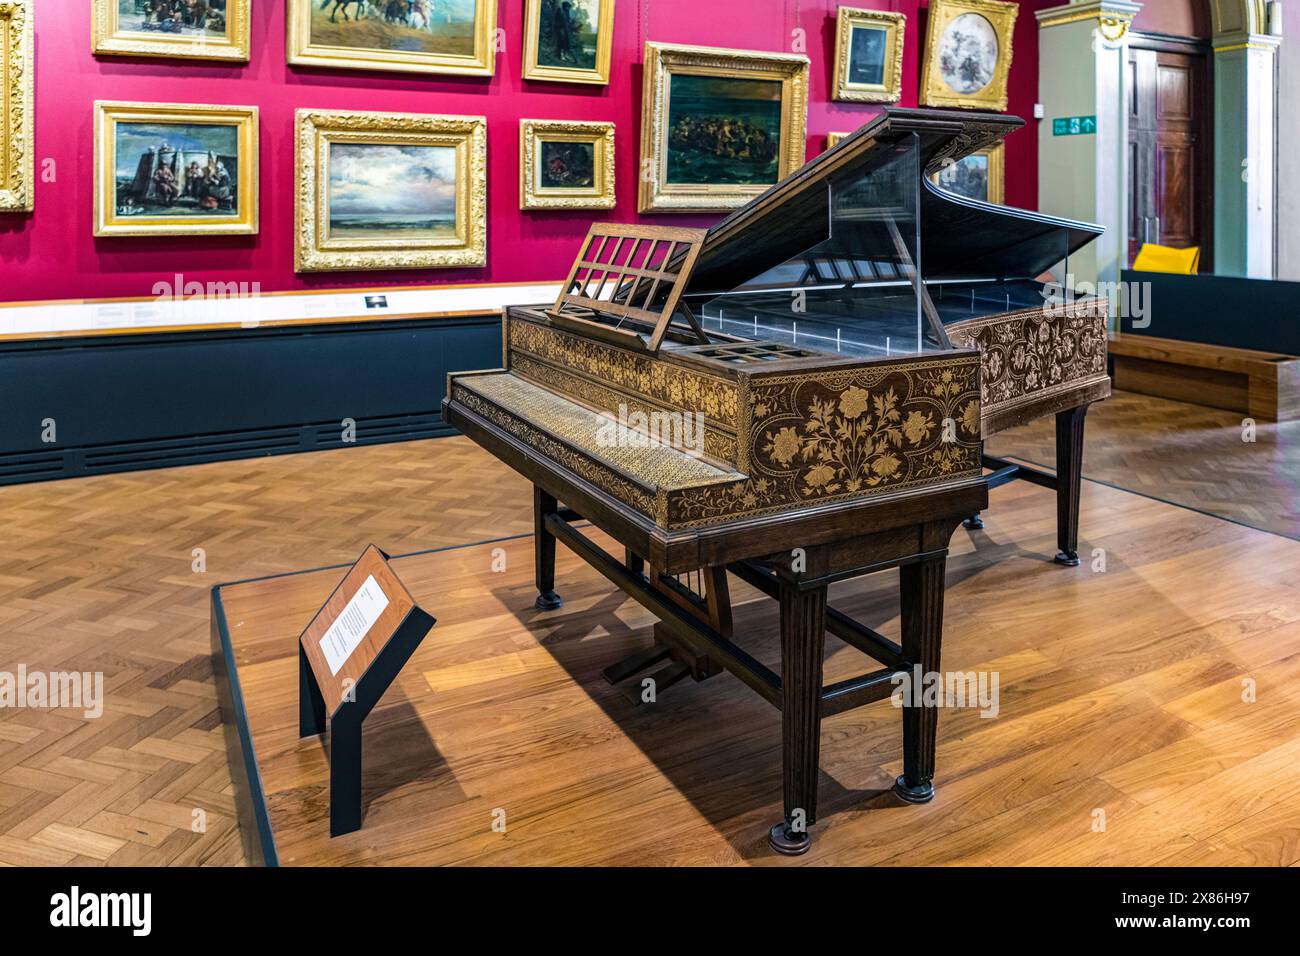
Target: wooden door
{"x":1169,"y":141}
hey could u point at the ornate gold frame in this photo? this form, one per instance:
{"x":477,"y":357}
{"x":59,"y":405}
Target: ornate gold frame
{"x":108,"y":39}
{"x":661,"y":62}
{"x":302,"y":52}
{"x":934,"y":91}
{"x":895,"y":26}
{"x":315,"y":251}
{"x":17,"y":186}
{"x":997,"y":172}
{"x":532,"y":133}
{"x":108,"y":223}
{"x":568,"y":74}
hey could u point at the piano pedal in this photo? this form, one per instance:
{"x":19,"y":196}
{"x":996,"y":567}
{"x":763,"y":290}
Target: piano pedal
{"x":634,"y":663}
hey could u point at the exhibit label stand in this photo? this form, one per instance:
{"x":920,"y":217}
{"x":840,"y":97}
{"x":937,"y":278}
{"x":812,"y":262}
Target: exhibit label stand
{"x":347,"y":657}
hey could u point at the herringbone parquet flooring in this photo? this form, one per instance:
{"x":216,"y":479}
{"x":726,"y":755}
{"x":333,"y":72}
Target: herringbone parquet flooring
{"x":1188,"y":454}
{"x":102,"y":574}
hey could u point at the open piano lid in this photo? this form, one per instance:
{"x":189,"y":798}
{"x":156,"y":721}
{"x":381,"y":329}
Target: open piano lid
{"x":959,"y":236}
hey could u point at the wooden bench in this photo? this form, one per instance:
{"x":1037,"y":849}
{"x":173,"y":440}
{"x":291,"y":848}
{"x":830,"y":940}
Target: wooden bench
{"x":1263,"y":385}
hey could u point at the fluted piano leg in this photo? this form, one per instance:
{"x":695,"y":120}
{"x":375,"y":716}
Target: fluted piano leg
{"x":544,"y":550}
{"x":1069,"y":476}
{"x":922,"y":625}
{"x":803,"y":636}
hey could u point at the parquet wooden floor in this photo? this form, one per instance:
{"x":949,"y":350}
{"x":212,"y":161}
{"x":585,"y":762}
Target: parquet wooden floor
{"x":1188,"y":454}
{"x":98,"y":574}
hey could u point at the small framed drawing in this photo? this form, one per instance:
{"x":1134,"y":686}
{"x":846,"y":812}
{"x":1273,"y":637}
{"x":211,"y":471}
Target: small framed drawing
{"x":568,"y":40}
{"x":869,"y":55}
{"x":405,"y":36}
{"x":566,"y":164}
{"x":175,"y":169}
{"x":718,"y":127}
{"x":389,"y":191}
{"x":16,"y":107}
{"x":195,"y":30}
{"x":981,"y":175}
{"x":968,"y":54}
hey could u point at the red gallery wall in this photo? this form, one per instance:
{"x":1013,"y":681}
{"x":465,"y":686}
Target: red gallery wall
{"x":52,"y":254}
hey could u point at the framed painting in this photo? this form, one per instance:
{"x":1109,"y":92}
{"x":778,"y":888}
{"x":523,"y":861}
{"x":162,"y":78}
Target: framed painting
{"x":189,"y":29}
{"x":389,"y":191}
{"x":175,"y":169}
{"x":568,"y":40}
{"x":566,"y":164}
{"x":968,"y":54}
{"x":17,"y":188}
{"x":869,"y":55}
{"x":408,"y":36}
{"x":718,"y":127}
{"x":981,"y":175}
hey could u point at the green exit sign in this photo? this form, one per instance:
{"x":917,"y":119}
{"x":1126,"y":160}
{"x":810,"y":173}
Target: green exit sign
{"x":1074,"y":126}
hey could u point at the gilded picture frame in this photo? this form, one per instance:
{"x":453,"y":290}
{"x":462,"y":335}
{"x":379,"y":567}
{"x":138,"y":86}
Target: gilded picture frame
{"x":17,"y":111}
{"x":114,"y":34}
{"x":210,"y":154}
{"x":869,"y":71}
{"x":316,"y":29}
{"x":985,"y":166}
{"x":968,"y":54}
{"x":747,"y":80}
{"x":561,"y":181}
{"x":349,"y":217}
{"x":542,"y":61}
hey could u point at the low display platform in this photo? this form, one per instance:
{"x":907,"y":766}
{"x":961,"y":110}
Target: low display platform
{"x":500,"y":743}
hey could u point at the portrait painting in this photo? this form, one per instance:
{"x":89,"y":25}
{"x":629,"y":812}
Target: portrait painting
{"x":175,"y":169}
{"x":869,"y":55}
{"x":568,"y":40}
{"x":719,"y":126}
{"x":968,"y":54}
{"x":423,"y":36}
{"x":389,"y":191}
{"x":977,"y":176}
{"x":185,"y":29}
{"x":16,"y":107}
{"x":566,"y":164}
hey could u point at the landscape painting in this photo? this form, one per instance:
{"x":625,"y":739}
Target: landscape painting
{"x":165,"y":169}
{"x":380,"y":190}
{"x":389,"y":191}
{"x":723,"y":129}
{"x":436,"y":36}
{"x":175,"y":169}
{"x":193,"y":29}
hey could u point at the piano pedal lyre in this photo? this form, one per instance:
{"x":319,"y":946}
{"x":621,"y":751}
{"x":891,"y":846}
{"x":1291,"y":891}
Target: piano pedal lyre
{"x":712,"y":607}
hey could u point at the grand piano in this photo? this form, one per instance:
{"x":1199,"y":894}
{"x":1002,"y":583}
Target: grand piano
{"x":798,"y":396}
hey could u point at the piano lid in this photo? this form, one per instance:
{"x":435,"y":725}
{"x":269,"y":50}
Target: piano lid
{"x":959,"y":236}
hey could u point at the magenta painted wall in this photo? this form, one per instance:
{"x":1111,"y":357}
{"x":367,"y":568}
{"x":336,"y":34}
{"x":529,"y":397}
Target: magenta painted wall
{"x":51,"y":254}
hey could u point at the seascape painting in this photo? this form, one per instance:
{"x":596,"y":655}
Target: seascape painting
{"x":182,"y":170}
{"x":379,"y":191}
{"x":566,"y":165}
{"x":867,"y":48}
{"x":568,"y":33}
{"x":441,"y":27}
{"x":968,"y":53}
{"x":723,"y":130}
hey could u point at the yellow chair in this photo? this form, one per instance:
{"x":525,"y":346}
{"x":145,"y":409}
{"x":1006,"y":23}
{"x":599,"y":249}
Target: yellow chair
{"x":1153,"y":258}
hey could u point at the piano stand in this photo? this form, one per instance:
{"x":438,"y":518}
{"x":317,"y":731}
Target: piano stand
{"x":1067,"y":482}
{"x":544,"y":551}
{"x":973,"y":523}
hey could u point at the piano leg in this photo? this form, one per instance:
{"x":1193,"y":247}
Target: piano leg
{"x":922,"y":625}
{"x":1069,"y":471}
{"x":544,"y":548}
{"x":803,"y":636}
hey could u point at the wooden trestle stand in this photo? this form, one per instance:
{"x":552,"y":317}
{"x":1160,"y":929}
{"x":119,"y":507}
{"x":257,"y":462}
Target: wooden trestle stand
{"x":347,"y":657}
